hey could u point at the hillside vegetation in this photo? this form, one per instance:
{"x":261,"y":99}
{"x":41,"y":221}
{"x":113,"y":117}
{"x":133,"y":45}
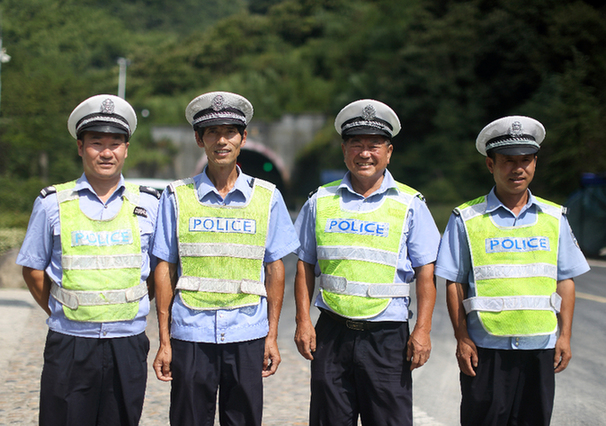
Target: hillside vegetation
{"x":446,"y":67}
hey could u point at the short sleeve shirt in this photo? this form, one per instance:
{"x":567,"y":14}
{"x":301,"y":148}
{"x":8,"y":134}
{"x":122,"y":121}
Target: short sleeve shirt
{"x":41,"y":250}
{"x":420,"y":238}
{"x":454,"y":264}
{"x":223,"y":325}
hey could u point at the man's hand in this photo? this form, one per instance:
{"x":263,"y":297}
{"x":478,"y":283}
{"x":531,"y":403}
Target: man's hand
{"x":467,"y":356}
{"x":305,"y":334}
{"x":162,"y":363}
{"x":271,"y":358}
{"x":305,"y":338}
{"x":563,"y":354}
{"x":418,"y":348}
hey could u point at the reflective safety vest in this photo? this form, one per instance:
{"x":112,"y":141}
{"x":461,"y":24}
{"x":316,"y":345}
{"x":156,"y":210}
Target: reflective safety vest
{"x":358,"y":251}
{"x":101,"y":260}
{"x":515,"y":270}
{"x":221,"y":248}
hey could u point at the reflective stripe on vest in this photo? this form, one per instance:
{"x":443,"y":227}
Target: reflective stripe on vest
{"x":358,"y":251}
{"x":221,"y":248}
{"x":515,"y":270}
{"x":74,"y":299}
{"x":101,"y":260}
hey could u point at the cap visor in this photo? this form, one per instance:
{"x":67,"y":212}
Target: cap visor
{"x":365,"y":130}
{"x":103,"y":128}
{"x":515,"y":150}
{"x":219,"y":122}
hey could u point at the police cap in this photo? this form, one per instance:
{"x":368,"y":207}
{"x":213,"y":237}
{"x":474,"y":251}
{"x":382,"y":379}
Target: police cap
{"x":513,"y":135}
{"x":105,"y":114}
{"x":219,"y":108}
{"x":367,"y":117}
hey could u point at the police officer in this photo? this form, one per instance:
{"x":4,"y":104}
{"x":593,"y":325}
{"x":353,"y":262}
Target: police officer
{"x":220,"y":239}
{"x":85,"y":260}
{"x":509,"y":259}
{"x":366,"y":237}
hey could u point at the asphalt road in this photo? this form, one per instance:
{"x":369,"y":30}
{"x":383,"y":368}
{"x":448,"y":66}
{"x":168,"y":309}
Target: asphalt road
{"x":580,"y":389}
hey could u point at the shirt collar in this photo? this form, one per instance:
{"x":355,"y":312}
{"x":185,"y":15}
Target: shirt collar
{"x":243,"y":185}
{"x":493,"y":203}
{"x":83,"y":183}
{"x":387,"y":184}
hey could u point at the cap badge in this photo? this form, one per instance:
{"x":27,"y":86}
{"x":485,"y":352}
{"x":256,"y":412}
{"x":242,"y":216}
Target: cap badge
{"x":516,"y":129}
{"x":369,"y":112}
{"x":107,"y":106}
{"x":217,"y":103}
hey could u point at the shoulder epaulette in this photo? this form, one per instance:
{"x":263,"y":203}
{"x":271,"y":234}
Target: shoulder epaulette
{"x":564,"y":210}
{"x":48,"y":190}
{"x":420,"y":196}
{"x":456,"y":211}
{"x":312,"y":193}
{"x":149,"y":190}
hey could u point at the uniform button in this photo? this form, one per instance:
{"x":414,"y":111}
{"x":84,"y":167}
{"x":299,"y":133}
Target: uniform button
{"x":105,"y":333}
{"x":222,"y":339}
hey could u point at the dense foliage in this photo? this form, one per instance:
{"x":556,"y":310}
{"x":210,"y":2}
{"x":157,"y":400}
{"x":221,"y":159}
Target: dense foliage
{"x":446,"y":67}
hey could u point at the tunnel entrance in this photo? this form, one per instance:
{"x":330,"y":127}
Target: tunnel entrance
{"x":258,"y":165}
{"x":257,"y":160}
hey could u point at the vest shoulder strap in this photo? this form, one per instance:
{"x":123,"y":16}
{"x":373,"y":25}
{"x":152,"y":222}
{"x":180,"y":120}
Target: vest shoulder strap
{"x":172,"y":187}
{"x":263,"y":183}
{"x":550,"y":208}
{"x":471,"y":209}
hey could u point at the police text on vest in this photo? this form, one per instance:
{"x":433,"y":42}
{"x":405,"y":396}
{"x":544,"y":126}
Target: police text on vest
{"x":516,"y":244}
{"x":103,"y":238}
{"x":222,"y":224}
{"x":356,"y":226}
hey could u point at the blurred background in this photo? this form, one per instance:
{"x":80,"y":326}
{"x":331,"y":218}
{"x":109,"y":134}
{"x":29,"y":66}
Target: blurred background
{"x":446,"y":67}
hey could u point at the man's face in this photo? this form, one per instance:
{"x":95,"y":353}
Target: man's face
{"x":367,"y":156}
{"x":103,"y":154}
{"x":222,"y":144}
{"x":512,"y":173}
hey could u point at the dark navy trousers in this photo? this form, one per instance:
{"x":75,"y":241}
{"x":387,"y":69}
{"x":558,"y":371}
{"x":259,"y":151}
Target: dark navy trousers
{"x":93,"y":382}
{"x":360,"y":373}
{"x":199,"y":370}
{"x":511,"y":388}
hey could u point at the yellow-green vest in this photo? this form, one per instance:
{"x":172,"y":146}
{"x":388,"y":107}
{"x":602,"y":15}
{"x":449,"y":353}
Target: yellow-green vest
{"x":358,"y":251}
{"x":515,"y":270}
{"x":101,"y":260}
{"x":221,"y":248}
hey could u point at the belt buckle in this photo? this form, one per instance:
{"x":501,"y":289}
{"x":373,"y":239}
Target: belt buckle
{"x":355,"y":325}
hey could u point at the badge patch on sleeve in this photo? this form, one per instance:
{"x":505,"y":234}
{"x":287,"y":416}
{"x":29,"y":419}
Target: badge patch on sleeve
{"x":221,"y":224}
{"x":140,"y":211}
{"x":513,"y":244}
{"x":103,"y":238}
{"x":356,"y":226}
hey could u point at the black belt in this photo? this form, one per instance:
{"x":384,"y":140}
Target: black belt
{"x":358,"y":325}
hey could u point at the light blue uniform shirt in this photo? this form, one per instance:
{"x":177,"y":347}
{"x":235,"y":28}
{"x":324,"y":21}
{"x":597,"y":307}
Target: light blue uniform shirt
{"x":41,"y":250}
{"x":420,"y":239}
{"x":222,"y":325}
{"x":454,"y":264}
